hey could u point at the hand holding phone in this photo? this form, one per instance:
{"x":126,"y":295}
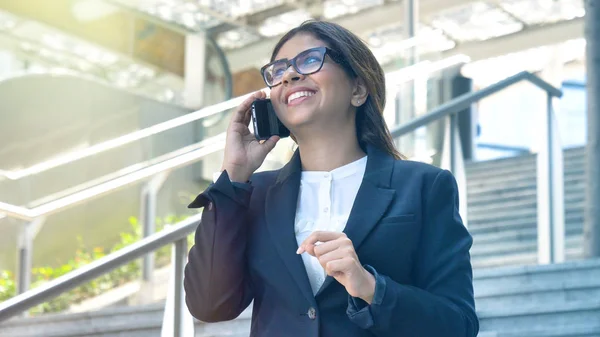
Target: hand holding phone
{"x":265,"y":121}
{"x":243,"y":154}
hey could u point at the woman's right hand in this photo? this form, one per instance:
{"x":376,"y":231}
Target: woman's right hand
{"x":243,"y":153}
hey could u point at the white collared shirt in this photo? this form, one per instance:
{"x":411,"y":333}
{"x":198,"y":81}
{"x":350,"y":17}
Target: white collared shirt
{"x":324,"y":204}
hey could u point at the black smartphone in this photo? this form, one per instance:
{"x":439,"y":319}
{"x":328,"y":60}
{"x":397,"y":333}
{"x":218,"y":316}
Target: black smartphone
{"x":265,"y":121}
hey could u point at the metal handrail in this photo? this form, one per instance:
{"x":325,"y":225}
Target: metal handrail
{"x":213,"y":144}
{"x":122,"y":140}
{"x":550,"y":179}
{"x":406,"y":74}
{"x":126,"y":170}
{"x":179,"y":232}
{"x":89,"y":272}
{"x":464,"y":101}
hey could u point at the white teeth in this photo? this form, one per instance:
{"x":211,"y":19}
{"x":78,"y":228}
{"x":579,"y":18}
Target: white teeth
{"x":299,"y":94}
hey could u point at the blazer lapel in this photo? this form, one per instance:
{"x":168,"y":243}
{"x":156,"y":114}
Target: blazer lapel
{"x":281,"y":202}
{"x":372,"y":201}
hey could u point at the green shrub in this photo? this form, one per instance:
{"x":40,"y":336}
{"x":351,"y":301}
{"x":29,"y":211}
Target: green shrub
{"x":8,"y":288}
{"x":83,"y":256}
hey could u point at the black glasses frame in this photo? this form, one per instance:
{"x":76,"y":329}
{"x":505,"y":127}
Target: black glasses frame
{"x":335,"y":56}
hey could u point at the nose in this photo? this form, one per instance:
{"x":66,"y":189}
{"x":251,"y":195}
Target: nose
{"x":291,"y":75}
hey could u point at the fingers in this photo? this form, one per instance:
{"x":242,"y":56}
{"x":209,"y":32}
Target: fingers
{"x":318,"y":236}
{"x":339,"y":266}
{"x":269,"y":144}
{"x":242,"y":113}
{"x":343,"y":245}
{"x":336,"y":254}
{"x":247,"y":117}
{"x":323,"y":248}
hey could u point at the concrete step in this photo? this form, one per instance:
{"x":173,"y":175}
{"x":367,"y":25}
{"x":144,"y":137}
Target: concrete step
{"x":134,"y":321}
{"x":517,"y":219}
{"x":530,"y":167}
{"x":93,"y":323}
{"x":555,"y":295}
{"x":494,"y":181}
{"x":486,"y":165}
{"x":503,"y":248}
{"x":517,"y":184}
{"x":487,"y":280}
{"x":524,"y":229}
{"x":571,"y":194}
{"x":502,"y":206}
{"x":539,"y":285}
{"x":585,"y":313}
{"x":509,"y":216}
{"x":570,"y":156}
{"x":516,"y":174}
{"x":523,"y":234}
{"x":563,"y":331}
{"x":570,"y":203}
{"x":522,"y":259}
{"x":476,"y":200}
{"x":571,"y":188}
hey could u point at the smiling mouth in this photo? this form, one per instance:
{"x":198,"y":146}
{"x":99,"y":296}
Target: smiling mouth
{"x":299,"y":96}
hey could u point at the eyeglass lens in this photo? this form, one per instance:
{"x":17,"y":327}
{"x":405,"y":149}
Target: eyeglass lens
{"x":306,"y":63}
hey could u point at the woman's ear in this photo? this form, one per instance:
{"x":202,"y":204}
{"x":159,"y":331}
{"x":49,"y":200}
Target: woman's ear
{"x":359,"y":92}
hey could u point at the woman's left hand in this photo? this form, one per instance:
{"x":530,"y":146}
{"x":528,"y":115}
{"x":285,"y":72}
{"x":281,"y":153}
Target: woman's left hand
{"x":335,"y":252}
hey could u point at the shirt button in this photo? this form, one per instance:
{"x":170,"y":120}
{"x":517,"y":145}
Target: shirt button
{"x":312,"y":313}
{"x":326,"y":175}
{"x":326,"y":209}
{"x":210,"y":206}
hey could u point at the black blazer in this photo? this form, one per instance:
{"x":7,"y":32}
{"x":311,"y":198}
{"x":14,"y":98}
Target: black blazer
{"x":405,"y":228}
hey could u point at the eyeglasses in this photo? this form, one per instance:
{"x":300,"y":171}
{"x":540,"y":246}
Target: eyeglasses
{"x":307,"y":62}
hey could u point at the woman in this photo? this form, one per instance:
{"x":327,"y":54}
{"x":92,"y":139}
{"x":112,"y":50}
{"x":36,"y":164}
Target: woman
{"x":347,"y":239}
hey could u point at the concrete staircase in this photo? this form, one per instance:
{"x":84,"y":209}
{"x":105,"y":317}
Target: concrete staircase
{"x":561,"y":300}
{"x":517,"y":301}
{"x":502,"y":211}
{"x":134,"y":321}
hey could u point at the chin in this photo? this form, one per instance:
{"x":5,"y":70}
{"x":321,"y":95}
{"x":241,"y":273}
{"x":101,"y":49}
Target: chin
{"x":298,"y":124}
{"x":299,"y":117}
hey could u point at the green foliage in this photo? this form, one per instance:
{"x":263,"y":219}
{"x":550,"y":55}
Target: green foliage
{"x":83,"y":256}
{"x":7,"y":285}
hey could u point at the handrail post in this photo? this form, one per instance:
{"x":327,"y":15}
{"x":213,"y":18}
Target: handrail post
{"x":25,"y":253}
{"x":179,"y":300}
{"x":452,"y":139}
{"x":148,"y":219}
{"x":177,"y":320}
{"x":453,"y":160}
{"x":550,"y":191}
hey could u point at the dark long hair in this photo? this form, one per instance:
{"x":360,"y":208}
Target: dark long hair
{"x":360,"y":62}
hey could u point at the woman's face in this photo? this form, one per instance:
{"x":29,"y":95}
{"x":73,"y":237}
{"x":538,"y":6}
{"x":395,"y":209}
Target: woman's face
{"x":321,"y":99}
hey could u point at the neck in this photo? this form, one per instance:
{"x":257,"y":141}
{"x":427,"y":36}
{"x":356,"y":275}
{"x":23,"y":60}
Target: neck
{"x":329,"y":150}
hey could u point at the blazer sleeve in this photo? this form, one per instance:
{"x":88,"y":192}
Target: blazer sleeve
{"x":217,"y":286}
{"x":442,"y":301}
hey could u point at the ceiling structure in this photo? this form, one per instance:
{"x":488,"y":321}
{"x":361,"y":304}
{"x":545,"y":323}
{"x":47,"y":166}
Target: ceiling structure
{"x":251,"y":27}
{"x":38,"y":48}
{"x":247,"y":29}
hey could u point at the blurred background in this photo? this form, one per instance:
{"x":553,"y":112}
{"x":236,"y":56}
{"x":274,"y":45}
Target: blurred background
{"x":112,"y":116}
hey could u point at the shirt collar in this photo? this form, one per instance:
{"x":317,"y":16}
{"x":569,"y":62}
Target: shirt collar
{"x":355,"y":167}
